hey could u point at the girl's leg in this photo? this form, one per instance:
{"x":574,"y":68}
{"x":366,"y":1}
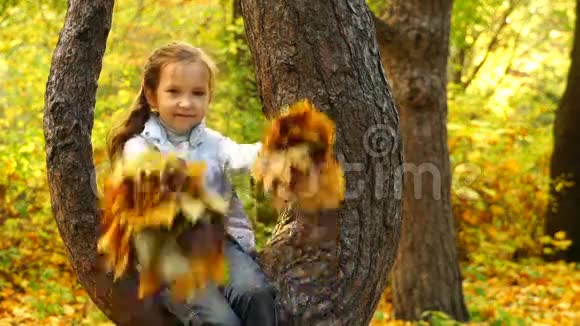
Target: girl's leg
{"x":209,"y":309}
{"x":250,"y":300}
{"x":248,"y":291}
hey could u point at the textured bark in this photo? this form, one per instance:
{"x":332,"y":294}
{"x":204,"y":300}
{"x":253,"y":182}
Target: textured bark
{"x":426,"y":275}
{"x":564,"y":209}
{"x":68,"y":123}
{"x":326,"y":51}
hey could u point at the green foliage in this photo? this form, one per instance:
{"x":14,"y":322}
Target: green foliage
{"x":378,"y":7}
{"x":472,"y":18}
{"x":439,"y":318}
{"x":519,"y":47}
{"x":500,"y":124}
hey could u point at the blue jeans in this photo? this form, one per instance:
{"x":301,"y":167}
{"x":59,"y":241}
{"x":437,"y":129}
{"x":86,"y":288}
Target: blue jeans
{"x":247,"y":299}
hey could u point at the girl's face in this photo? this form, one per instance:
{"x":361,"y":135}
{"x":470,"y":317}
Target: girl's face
{"x":183,"y":95}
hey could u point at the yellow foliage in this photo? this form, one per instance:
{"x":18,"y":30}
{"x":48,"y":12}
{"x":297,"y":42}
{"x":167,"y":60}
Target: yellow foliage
{"x":297,"y":162}
{"x":560,"y":235}
{"x":152,"y":201}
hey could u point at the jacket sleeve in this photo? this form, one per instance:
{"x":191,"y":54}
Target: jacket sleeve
{"x":134,"y":146}
{"x":238,"y":157}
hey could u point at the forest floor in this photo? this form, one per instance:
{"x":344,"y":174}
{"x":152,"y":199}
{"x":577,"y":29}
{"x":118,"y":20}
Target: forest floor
{"x":531,"y":292}
{"x":37,"y":286}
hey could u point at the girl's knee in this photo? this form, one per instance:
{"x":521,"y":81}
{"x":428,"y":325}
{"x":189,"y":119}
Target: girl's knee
{"x":254,"y":293}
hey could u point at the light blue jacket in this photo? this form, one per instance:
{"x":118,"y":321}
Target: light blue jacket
{"x":221,"y":155}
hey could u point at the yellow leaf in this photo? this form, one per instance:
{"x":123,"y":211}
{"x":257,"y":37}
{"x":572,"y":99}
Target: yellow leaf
{"x":172,"y":263}
{"x":161,"y":215}
{"x":512,"y":166}
{"x":216,"y":203}
{"x":496,"y":210}
{"x":68,"y":310}
{"x":560,"y":235}
{"x":147,"y":245}
{"x":148,"y":283}
{"x":192,"y":208}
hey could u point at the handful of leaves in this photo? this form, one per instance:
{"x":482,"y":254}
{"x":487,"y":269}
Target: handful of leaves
{"x":297,"y":162}
{"x":155,"y":209}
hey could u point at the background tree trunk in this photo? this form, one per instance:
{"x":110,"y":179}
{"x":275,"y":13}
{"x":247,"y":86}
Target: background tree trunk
{"x":414,"y":42}
{"x":237,"y":12}
{"x":68,"y":123}
{"x":323,"y":51}
{"x":326,"y":51}
{"x":564,"y":210}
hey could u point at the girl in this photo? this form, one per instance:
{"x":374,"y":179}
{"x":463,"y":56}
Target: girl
{"x":168,"y":114}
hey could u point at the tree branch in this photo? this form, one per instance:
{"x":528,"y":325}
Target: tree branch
{"x":492,"y":44}
{"x":507,"y":68}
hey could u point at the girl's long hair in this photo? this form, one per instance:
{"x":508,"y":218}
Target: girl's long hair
{"x":140,"y":111}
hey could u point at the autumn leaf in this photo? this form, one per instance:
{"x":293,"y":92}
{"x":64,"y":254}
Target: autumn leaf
{"x":149,"y":202}
{"x":296,"y":164}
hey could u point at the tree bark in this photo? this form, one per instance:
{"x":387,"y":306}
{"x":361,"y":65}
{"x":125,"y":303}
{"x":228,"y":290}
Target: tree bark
{"x":326,"y":51}
{"x":458,"y":66}
{"x":237,"y":6}
{"x":329,"y":269}
{"x":68,"y":122}
{"x":426,"y":275}
{"x":564,"y":209}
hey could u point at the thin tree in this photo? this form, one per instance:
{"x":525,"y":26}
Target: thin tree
{"x":414,"y":43}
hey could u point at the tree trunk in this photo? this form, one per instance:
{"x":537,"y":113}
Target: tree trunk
{"x":323,"y":278}
{"x":414,"y":44}
{"x":326,"y":51}
{"x":237,"y":12}
{"x":564,"y":210}
{"x":458,"y":66}
{"x":68,"y":123}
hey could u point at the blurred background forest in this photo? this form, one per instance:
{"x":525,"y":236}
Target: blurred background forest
{"x":508,"y":67}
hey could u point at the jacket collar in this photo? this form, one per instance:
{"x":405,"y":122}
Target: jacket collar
{"x":154,"y":131}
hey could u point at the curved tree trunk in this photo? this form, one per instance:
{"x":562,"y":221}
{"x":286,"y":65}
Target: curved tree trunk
{"x":68,"y":123}
{"x":326,"y":52}
{"x":564,"y":210}
{"x":415,"y":46}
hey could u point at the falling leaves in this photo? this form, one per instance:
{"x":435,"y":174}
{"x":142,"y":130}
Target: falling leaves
{"x":297,"y":162}
{"x":155,"y":208}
